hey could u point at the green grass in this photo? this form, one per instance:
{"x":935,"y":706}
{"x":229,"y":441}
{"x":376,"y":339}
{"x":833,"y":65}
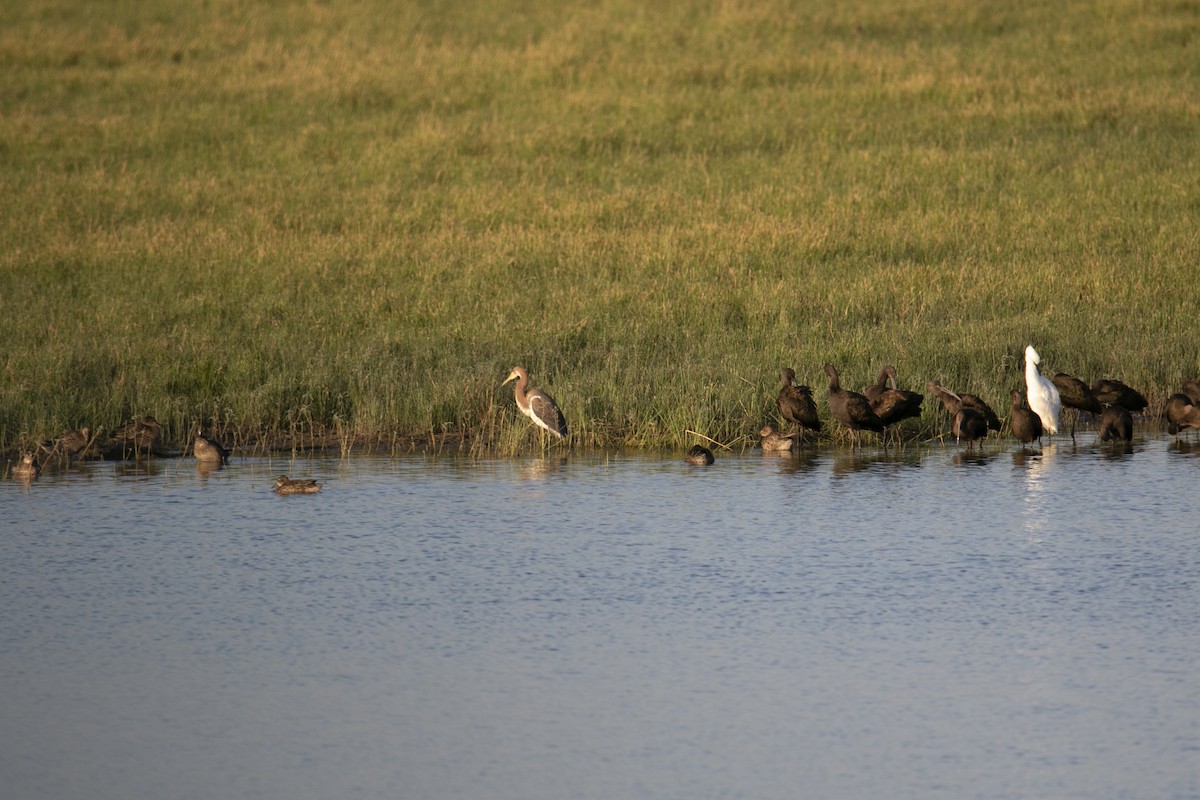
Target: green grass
{"x":289,"y":217}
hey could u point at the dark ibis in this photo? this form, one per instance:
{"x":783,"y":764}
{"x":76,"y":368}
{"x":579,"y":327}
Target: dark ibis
{"x":1025,"y":425}
{"x":1182,"y":413}
{"x":1116,"y":423}
{"x":969,"y":426}
{"x":796,"y":402}
{"x":1115,"y":393}
{"x":952,"y":401}
{"x":894,"y":404}
{"x":851,"y":408}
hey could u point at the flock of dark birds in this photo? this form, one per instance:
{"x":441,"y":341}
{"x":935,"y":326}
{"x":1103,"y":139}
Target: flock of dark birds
{"x":878,"y":408}
{"x":883,"y":405}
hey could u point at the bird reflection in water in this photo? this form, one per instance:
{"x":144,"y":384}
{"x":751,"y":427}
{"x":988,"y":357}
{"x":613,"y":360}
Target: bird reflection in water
{"x":972,"y":457}
{"x":1183,"y":447}
{"x":538,"y":469}
{"x":206,"y":468}
{"x":1116,"y":450}
{"x":848,"y":462}
{"x":796,"y":462}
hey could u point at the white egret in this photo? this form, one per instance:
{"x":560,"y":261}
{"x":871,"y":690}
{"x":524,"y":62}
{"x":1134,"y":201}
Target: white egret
{"x":1042,"y":393}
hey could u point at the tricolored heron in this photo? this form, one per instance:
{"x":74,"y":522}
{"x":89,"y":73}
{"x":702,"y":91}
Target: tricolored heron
{"x":536,"y":404}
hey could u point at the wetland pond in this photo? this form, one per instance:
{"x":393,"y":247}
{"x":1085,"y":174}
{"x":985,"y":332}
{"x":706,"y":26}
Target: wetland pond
{"x":915,"y":623}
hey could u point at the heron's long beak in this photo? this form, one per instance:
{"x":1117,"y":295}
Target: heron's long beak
{"x":511,"y":377}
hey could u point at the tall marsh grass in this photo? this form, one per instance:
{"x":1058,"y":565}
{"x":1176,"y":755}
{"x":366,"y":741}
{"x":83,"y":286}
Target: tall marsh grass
{"x":357,"y":217}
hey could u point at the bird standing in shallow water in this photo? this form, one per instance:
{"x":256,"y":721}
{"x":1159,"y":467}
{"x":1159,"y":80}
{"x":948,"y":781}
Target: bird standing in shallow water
{"x":1025,"y":425}
{"x":1074,"y":393}
{"x":1043,"y":395}
{"x":952,"y":401}
{"x":795,"y":403}
{"x":286,"y":485}
{"x":969,"y":425}
{"x":1182,"y":413}
{"x":536,"y":404}
{"x":1077,"y":396}
{"x":894,"y":404}
{"x":1116,"y":423}
{"x":967,"y":422}
{"x":851,"y":408}
{"x":699,"y":455}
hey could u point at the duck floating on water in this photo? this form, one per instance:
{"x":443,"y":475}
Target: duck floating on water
{"x":286,"y":485}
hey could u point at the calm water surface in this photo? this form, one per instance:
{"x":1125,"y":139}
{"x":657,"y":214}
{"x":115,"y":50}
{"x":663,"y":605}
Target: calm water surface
{"x":917,"y":625}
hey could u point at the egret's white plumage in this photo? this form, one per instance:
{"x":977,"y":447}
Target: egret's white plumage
{"x":1042,"y":393}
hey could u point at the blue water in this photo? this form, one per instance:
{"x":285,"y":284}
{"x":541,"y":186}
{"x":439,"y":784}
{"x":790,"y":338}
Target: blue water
{"x":916,"y":624}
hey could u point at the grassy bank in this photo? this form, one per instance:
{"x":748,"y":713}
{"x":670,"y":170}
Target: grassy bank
{"x":359,"y":216}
